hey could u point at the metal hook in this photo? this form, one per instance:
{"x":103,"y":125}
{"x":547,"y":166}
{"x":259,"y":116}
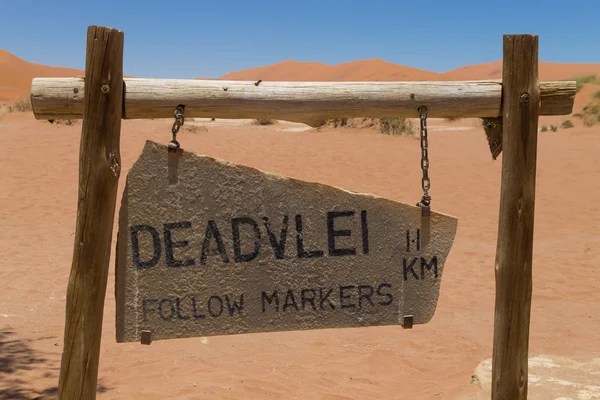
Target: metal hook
{"x":179,"y":121}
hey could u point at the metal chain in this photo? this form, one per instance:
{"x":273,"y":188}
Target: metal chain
{"x":425,"y":181}
{"x":178,"y":114}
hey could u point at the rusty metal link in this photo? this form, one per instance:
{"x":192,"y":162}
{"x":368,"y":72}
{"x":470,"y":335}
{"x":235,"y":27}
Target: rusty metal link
{"x":425,"y":181}
{"x":178,"y":114}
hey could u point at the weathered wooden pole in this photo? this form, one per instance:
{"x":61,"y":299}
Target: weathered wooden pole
{"x":308,"y":102}
{"x":521,"y":105}
{"x":99,"y":169}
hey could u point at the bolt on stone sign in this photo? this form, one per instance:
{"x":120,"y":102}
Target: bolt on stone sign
{"x":206,"y":247}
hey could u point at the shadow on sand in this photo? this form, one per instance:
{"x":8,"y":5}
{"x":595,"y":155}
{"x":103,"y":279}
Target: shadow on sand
{"x":17,"y":355}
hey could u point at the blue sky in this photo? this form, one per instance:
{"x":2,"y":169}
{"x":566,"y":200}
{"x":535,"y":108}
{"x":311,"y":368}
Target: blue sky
{"x":188,"y":39}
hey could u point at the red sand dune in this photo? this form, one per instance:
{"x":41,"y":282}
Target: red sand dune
{"x":379,"y":70}
{"x":363,"y":70}
{"x":16,"y":75}
{"x":547,"y":71}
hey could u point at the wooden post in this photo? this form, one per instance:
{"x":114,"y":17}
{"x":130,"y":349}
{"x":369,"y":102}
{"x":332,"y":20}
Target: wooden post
{"x":99,"y":170}
{"x":521,"y":104}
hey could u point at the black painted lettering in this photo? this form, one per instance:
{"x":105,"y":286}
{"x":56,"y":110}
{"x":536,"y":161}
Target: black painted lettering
{"x":213,"y":232}
{"x":178,"y":306}
{"x":300,"y":242}
{"x":278,"y":247}
{"x":210,"y":306}
{"x":389,"y":296}
{"x":332,"y":233}
{"x":326,"y":298}
{"x":365,"y":231}
{"x":237,"y":247}
{"x":195,"y":312}
{"x":146,"y":310}
{"x":274,"y":297}
{"x":170,"y":309}
{"x":365,"y":292}
{"x":346,"y":297}
{"x":409,"y":240}
{"x":306,"y":299}
{"x":135,"y":246}
{"x":290,"y":301}
{"x":432,"y":263}
{"x":409,"y":267}
{"x":232,"y":307}
{"x":169,"y":244}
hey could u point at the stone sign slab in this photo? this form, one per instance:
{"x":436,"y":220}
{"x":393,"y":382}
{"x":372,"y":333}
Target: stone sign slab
{"x":206,"y":247}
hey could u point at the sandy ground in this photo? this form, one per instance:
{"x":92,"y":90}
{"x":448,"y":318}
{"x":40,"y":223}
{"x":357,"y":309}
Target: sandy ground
{"x":39,"y":178}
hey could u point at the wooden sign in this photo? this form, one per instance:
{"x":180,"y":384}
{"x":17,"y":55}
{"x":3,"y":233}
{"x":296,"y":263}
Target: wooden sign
{"x":206,"y":247}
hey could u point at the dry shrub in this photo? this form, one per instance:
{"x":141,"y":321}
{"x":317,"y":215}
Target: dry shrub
{"x":21,"y":105}
{"x":566,"y":124}
{"x":390,"y":126}
{"x":591,"y":113}
{"x":396,"y":126}
{"x":554,"y":128}
{"x":452,"y":119}
{"x":338,"y":122}
{"x":582,"y":80}
{"x":544,"y":128}
{"x":263,"y":121}
{"x":359,"y":123}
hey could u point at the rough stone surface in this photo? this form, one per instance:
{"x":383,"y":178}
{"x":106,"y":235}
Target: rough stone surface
{"x":552,"y":378}
{"x":203,"y":249}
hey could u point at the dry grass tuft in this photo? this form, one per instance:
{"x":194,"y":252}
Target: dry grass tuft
{"x":591,"y":112}
{"x":21,"y":105}
{"x":582,"y":80}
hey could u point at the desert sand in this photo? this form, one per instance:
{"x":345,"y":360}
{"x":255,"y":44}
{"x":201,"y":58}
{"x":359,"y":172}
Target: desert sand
{"x":437,"y":360}
{"x":38,"y":204}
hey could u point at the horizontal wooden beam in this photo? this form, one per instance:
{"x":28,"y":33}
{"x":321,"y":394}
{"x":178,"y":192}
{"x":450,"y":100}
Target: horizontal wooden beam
{"x":308,"y":102}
